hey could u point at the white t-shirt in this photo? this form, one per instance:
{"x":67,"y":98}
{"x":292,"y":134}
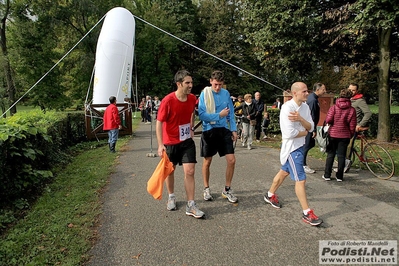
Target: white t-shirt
{"x":289,"y":129}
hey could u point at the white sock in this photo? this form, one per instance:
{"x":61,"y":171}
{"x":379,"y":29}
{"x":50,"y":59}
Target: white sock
{"x":269,"y":194}
{"x":172,"y":195}
{"x":306,"y":211}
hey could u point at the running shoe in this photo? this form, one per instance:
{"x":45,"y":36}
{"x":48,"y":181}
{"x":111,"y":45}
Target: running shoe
{"x":308,"y":170}
{"x":311,"y":218}
{"x":171,"y":206}
{"x":194,"y":211}
{"x":229,"y":196}
{"x":326,"y":178}
{"x":273,"y":200}
{"x":207,"y":194}
{"x":347,"y":165}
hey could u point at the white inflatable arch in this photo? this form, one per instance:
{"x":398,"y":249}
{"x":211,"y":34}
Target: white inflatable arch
{"x":114,"y":57}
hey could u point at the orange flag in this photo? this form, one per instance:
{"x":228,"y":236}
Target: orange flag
{"x":155,"y":183}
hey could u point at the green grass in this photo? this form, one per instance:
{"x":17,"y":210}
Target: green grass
{"x":374,"y":109}
{"x":59,"y":228}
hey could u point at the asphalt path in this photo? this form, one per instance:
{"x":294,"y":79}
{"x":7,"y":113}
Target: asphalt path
{"x":136,"y":229}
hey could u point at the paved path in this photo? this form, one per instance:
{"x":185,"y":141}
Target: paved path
{"x":135,"y":229}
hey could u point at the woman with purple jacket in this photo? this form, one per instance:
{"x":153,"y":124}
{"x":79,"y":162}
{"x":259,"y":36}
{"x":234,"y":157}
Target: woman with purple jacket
{"x":342,"y":120}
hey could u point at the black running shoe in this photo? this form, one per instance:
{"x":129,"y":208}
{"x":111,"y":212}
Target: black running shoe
{"x":311,"y":218}
{"x":273,"y":200}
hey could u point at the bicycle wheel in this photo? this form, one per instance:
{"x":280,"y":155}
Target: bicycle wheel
{"x":379,"y":161}
{"x":239,"y":133}
{"x":352,"y":161}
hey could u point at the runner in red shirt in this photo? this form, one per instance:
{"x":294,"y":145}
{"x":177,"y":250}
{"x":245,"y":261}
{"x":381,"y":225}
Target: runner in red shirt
{"x":174,"y":130}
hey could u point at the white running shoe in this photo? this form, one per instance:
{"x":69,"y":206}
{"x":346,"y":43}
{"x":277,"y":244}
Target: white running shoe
{"x":308,"y":170}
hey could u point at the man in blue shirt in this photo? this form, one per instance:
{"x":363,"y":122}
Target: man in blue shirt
{"x":216,"y":111}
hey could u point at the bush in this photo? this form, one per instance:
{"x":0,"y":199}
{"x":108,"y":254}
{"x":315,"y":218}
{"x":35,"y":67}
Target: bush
{"x":31,"y":144}
{"x":274,"y":115}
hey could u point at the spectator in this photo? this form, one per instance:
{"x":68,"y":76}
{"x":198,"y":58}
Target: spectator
{"x":112,"y":123}
{"x":259,"y":105}
{"x":248,"y":114}
{"x":239,"y":101}
{"x":313,"y":103}
{"x":363,"y":115}
{"x":148,"y":109}
{"x":342,"y":120}
{"x":157,"y":102}
{"x":277,"y":104}
{"x":142,"y":110}
{"x":265,"y":124}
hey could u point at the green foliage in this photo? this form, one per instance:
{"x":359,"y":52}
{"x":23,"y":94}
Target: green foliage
{"x":58,"y":230}
{"x":286,"y":35}
{"x":394,"y":125}
{"x":274,"y":115}
{"x":31,"y":144}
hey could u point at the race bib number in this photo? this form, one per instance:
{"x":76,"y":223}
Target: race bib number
{"x":185,"y":132}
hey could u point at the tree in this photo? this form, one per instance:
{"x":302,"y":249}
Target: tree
{"x":360,"y":20}
{"x":5,"y":10}
{"x":42,"y":33}
{"x":286,"y":35}
{"x":223,"y":37}
{"x":155,"y":51}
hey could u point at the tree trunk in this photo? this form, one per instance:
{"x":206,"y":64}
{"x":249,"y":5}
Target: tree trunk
{"x":384,"y":107}
{"x":7,"y":66}
{"x":10,"y":86}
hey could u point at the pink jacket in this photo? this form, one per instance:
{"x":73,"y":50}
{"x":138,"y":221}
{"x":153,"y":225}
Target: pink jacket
{"x":342,"y":119}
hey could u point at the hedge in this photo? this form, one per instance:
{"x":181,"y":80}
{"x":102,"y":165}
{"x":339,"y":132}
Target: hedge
{"x":31,"y":143}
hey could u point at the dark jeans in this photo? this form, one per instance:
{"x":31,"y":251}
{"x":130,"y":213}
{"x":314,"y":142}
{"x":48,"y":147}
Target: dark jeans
{"x":309,"y":143}
{"x":337,"y":147}
{"x":258,"y":126}
{"x":148,"y":115}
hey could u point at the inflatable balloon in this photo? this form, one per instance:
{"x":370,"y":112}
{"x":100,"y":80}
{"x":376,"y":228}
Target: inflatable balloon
{"x":114,"y":57}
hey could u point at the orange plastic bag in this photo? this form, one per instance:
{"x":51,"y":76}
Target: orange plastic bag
{"x":155,"y":183}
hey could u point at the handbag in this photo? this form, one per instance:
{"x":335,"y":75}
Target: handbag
{"x":323,"y":136}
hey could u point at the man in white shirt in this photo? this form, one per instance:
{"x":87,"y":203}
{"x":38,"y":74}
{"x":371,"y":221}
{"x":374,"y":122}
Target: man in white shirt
{"x":295,"y":123}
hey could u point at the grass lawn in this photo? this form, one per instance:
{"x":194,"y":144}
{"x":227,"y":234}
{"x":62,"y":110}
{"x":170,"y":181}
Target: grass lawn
{"x":59,"y":228}
{"x":374,"y":109}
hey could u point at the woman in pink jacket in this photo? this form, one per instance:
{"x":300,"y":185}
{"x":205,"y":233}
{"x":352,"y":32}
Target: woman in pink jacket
{"x":342,"y":120}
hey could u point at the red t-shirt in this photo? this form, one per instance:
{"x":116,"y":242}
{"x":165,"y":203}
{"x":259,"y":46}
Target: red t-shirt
{"x":176,"y":118}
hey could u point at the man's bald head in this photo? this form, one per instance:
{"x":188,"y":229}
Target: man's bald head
{"x":298,"y":86}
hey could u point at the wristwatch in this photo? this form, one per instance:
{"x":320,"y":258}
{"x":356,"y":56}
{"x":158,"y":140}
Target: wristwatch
{"x":192,"y":129}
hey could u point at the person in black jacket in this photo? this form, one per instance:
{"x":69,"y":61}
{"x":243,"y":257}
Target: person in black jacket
{"x":313,"y":102}
{"x":248,"y":120}
{"x":260,"y":106}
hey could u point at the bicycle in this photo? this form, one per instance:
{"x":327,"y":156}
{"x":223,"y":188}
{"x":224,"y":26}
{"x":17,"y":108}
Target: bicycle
{"x":375,"y":157}
{"x":239,"y":129}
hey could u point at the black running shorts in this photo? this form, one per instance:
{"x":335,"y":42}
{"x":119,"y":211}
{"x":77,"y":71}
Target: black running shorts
{"x":216,"y":140}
